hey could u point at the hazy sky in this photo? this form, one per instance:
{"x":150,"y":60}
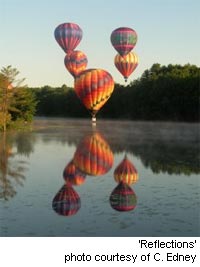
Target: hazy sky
{"x":168,"y":32}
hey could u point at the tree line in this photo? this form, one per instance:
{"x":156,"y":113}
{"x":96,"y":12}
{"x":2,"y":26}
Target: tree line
{"x":17,"y":102}
{"x":161,"y":93}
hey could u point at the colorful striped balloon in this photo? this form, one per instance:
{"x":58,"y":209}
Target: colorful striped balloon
{"x":126,"y":172}
{"x":123,"y":40}
{"x":126,"y":64}
{"x":68,"y":36}
{"x":93,"y":155}
{"x":72,"y":175}
{"x":67,"y":201}
{"x":75,"y":62}
{"x":123,"y":198}
{"x":94,"y":87}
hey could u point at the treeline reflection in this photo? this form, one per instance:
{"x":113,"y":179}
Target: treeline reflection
{"x":164,"y":148}
{"x":11,"y":169}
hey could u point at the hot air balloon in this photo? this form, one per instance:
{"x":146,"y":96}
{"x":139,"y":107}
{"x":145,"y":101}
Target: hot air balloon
{"x":72,"y":175}
{"x":123,"y":198}
{"x":75,"y":62}
{"x":93,"y":155}
{"x":68,"y":36}
{"x":126,"y":172}
{"x":123,"y":40}
{"x":126,"y":64}
{"x":94,"y":87}
{"x":67,"y":201}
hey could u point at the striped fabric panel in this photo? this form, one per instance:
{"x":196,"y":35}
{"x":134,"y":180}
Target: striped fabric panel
{"x":75,"y":62}
{"x":94,"y":87}
{"x":123,"y":40}
{"x":126,"y":64}
{"x":93,"y":155}
{"x":126,"y":172}
{"x":67,"y":201}
{"x":123,"y":198}
{"x":68,"y":36}
{"x":72,"y":175}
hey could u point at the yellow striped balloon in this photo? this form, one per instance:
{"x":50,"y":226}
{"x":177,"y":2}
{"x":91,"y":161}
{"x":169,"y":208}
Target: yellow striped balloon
{"x":75,"y":62}
{"x":94,"y":87}
{"x":126,"y":64}
{"x":126,"y":172}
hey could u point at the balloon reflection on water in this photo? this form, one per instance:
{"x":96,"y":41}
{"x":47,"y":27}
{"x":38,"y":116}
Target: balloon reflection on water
{"x":67,"y":201}
{"x":72,"y":175}
{"x":126,"y":172}
{"x":123,"y":198}
{"x":94,"y":157}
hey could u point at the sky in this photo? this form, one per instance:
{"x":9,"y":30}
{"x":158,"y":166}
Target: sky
{"x":168,"y":33}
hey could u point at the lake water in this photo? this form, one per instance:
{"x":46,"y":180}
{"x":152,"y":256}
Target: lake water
{"x":162,"y":199}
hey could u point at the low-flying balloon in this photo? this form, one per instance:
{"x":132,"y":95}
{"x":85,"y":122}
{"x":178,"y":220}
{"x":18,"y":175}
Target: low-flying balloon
{"x":126,"y":64}
{"x":94,"y":87}
{"x":93,"y":155}
{"x":123,"y":40}
{"x":126,"y":172}
{"x":123,"y":198}
{"x":75,"y":62}
{"x":68,"y":36}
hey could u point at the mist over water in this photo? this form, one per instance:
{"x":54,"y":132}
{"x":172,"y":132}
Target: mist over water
{"x":36,"y":200}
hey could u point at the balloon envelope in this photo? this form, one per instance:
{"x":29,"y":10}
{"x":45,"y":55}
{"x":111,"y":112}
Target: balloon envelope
{"x":123,"y":40}
{"x":67,"y":201}
{"x":76,"y":62}
{"x":94,"y":87}
{"x":123,"y":198}
{"x":126,"y":64}
{"x":93,"y":155}
{"x":72,"y":175}
{"x":126,"y":172}
{"x":68,"y":36}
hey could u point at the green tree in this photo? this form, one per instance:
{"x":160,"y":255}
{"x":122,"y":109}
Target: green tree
{"x":166,"y":93}
{"x":24,"y":105}
{"x":16,"y":101}
{"x":5,"y":101}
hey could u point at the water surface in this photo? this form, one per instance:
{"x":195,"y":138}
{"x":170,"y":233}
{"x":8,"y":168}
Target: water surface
{"x":164,"y":201}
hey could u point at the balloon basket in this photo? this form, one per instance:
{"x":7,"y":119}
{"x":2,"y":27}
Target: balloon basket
{"x":94,"y":121}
